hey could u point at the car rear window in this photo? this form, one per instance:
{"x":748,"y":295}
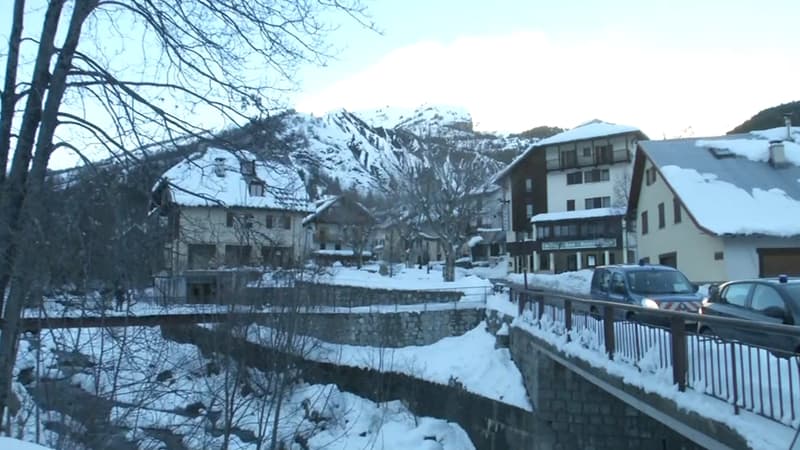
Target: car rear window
{"x":659,"y":282}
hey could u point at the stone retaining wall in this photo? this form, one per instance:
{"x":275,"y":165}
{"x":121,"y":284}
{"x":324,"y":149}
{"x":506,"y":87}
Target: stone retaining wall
{"x":335,"y":295}
{"x":384,"y":329}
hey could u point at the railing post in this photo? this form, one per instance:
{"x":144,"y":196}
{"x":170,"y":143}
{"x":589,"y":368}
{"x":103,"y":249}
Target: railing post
{"x":520,"y":303}
{"x":568,"y":317}
{"x":733,"y":380}
{"x":680,"y":359}
{"x":608,"y":330}
{"x":540,"y":307}
{"x":525,"y":278}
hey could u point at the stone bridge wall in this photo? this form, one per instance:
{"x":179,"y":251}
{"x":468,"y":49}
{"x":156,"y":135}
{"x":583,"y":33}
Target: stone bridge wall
{"x":579,"y":414}
{"x":346,"y":296}
{"x":384,"y":329}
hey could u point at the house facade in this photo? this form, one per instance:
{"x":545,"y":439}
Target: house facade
{"x":227,"y":210}
{"x":720,"y":208}
{"x":572,"y":190}
{"x":341,"y":229}
{"x":487,"y":231}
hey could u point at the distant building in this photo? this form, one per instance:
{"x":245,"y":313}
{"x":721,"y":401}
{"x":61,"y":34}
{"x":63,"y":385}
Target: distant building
{"x":567,"y":196}
{"x":720,"y":208}
{"x":342,"y":229}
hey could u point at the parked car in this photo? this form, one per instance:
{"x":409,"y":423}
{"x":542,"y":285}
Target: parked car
{"x":651,"y":286}
{"x":765,"y":300}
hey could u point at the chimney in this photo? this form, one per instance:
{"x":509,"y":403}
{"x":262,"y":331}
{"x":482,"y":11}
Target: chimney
{"x":777,"y":154}
{"x":219,"y":167}
{"x":787,"y":119}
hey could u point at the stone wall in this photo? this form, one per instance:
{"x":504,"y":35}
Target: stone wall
{"x":347,"y":296}
{"x":384,"y":329}
{"x":577,"y":413}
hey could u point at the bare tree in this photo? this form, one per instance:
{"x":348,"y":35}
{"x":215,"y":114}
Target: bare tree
{"x":442,"y":198}
{"x":126,"y":74}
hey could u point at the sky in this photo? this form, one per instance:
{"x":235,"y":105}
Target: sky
{"x":671,"y":68}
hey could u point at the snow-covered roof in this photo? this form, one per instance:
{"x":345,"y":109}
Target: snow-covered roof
{"x":326,"y":202}
{"x":739,"y":194}
{"x":195,"y":182}
{"x":578,"y":214}
{"x":589,"y":130}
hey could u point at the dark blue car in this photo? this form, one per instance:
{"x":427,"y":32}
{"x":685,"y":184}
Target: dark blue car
{"x":650,"y":286}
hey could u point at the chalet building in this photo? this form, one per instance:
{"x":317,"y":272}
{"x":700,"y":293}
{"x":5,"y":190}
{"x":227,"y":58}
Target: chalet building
{"x":720,"y":208}
{"x":488,"y":236}
{"x":227,"y":210}
{"x":342,"y":229}
{"x":571,"y":189}
{"x":523,"y":194}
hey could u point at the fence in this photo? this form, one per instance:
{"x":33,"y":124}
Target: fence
{"x":765,"y":381}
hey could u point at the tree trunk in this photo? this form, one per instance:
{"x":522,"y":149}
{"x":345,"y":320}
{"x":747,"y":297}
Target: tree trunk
{"x":13,"y":187}
{"x":9,"y":95}
{"x":449,"y":271}
{"x":29,"y":197}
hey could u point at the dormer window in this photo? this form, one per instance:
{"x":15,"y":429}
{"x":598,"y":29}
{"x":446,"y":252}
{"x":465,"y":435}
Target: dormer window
{"x":256,"y":188}
{"x":247,"y":168}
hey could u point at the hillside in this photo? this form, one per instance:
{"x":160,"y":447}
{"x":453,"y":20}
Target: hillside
{"x":770,"y":118}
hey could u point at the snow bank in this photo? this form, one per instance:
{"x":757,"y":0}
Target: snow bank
{"x":469,"y":359}
{"x":576,"y":283}
{"x":15,"y":444}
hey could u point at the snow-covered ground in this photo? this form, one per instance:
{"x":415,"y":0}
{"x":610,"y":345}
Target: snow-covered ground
{"x":576,"y":283}
{"x":153,"y":383}
{"x":469,"y":359}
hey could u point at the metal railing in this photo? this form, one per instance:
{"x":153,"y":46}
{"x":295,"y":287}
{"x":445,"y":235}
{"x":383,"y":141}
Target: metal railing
{"x":666,"y":344}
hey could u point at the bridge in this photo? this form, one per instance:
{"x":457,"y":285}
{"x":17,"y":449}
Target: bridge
{"x":714,"y":392}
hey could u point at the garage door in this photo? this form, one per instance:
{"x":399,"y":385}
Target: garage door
{"x":778,"y":261}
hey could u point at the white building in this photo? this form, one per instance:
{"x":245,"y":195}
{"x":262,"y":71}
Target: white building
{"x":588,"y":177}
{"x":720,"y":208}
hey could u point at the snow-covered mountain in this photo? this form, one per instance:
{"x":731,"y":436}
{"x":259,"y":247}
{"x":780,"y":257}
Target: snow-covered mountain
{"x":370,"y":150}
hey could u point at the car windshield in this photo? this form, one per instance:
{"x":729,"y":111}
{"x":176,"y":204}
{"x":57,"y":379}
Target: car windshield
{"x":659,"y":282}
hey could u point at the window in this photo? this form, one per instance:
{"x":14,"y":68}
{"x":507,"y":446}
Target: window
{"x":230,"y":218}
{"x":575,"y":178}
{"x":570,"y":205}
{"x":237,"y":255}
{"x":766,"y":297}
{"x":256,"y":189}
{"x":247,"y":167}
{"x":650,"y":176}
{"x":603,"y":154}
{"x":644,"y":222}
{"x":591,"y":260}
{"x":736,"y":294}
{"x":601,"y":280}
{"x":528,"y":184}
{"x":286,"y":222}
{"x":543,"y":231}
{"x":719,"y":256}
{"x":587,"y":152}
{"x":568,"y":158}
{"x":269,"y":222}
{"x":529,"y":210}
{"x":661,"y":220}
{"x":597,"y":202}
{"x":676,"y":209}
{"x":596,"y":175}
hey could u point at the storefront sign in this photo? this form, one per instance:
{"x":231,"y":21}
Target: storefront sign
{"x":577,"y":245}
